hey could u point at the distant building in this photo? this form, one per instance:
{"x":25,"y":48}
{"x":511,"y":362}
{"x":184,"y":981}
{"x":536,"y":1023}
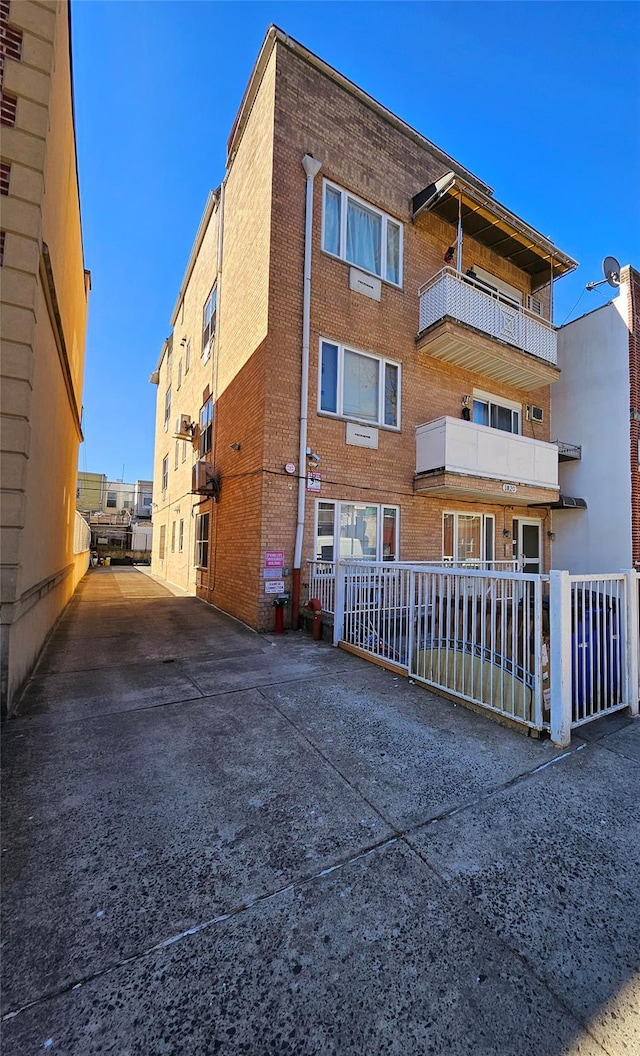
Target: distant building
{"x":44,"y":293}
{"x":361,"y":355}
{"x":595,"y":412}
{"x":118,"y":513}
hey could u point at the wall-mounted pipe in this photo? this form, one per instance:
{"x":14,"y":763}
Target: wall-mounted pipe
{"x":311,"y":167}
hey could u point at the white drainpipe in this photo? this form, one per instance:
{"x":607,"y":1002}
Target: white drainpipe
{"x":311,"y":167}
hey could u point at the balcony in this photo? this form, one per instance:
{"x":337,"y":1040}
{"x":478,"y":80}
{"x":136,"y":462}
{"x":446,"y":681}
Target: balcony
{"x":463,"y":323}
{"x":463,"y":459}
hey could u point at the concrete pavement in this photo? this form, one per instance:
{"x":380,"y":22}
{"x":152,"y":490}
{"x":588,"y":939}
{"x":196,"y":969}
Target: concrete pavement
{"x":220,"y":842}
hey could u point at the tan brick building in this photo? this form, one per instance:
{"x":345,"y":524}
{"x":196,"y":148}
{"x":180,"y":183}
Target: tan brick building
{"x":369,"y":354}
{"x":44,"y":291}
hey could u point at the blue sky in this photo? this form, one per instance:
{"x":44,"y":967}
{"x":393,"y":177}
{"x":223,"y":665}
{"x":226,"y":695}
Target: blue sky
{"x":539,"y":99}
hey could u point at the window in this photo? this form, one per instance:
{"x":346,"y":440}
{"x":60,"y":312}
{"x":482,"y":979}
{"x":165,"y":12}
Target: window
{"x":146,"y":501}
{"x":167,"y":408}
{"x":496,"y":413}
{"x":209,"y":322}
{"x":181,"y":535}
{"x":127,"y":504}
{"x":358,"y":385}
{"x":184,"y":450}
{"x":112,"y":500}
{"x":206,"y":427}
{"x":187,"y":357}
{"x":365,"y":532}
{"x":179,"y":374}
{"x":165,"y":472}
{"x":361,"y":235}
{"x":173,"y":537}
{"x":202,"y":540}
{"x":162,"y":542}
{"x":468,"y":537}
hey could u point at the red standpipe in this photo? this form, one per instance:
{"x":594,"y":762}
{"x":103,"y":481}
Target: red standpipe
{"x":279,"y":627}
{"x":315,"y":606}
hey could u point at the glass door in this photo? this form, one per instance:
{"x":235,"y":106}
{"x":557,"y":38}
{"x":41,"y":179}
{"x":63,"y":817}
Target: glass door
{"x":528,"y":548}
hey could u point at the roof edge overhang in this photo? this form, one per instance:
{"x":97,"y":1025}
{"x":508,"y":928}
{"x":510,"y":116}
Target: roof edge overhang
{"x":274,"y":36}
{"x":539,"y":253}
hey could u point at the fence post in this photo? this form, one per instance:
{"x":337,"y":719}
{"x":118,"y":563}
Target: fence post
{"x":338,"y":615}
{"x":632,"y":584}
{"x":560,"y":659}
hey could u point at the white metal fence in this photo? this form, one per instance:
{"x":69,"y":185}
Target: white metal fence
{"x":450,"y":293}
{"x":497,"y":639}
{"x":81,"y":534}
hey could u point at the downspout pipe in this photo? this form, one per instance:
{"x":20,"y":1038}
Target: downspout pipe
{"x":311,"y":167}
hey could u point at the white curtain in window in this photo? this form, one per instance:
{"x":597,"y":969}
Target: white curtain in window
{"x":332,"y":222}
{"x":364,"y":233}
{"x":361,"y":382}
{"x":393,"y":253}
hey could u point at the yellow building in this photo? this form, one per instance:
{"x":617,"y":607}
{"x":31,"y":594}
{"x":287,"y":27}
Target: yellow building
{"x":44,"y":292}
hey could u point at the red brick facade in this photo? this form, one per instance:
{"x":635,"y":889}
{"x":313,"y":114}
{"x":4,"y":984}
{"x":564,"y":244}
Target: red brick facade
{"x":300,"y":108}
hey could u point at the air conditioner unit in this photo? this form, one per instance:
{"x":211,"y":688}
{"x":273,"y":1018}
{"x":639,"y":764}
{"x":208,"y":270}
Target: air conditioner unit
{"x":205,"y":480}
{"x":534,"y":304}
{"x":535,"y":414}
{"x":184,"y":428}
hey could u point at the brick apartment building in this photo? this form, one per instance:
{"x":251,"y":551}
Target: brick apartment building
{"x":363,"y":349}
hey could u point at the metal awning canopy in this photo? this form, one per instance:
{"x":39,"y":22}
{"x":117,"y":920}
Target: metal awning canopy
{"x":563,"y":502}
{"x":493,"y":226}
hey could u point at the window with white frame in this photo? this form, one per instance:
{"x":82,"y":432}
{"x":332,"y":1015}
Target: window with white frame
{"x":468,"y":537}
{"x":184,"y":450}
{"x":496,"y":412}
{"x":179,"y":374}
{"x":167,"y":408}
{"x":206,"y":428}
{"x":354,"y":530}
{"x":173,"y":537}
{"x":165,"y":472}
{"x":358,"y":385}
{"x":112,"y":500}
{"x":162,"y":541}
{"x":361,"y":234}
{"x":209,"y":322}
{"x":176,"y":459}
{"x":181,"y":535}
{"x":187,"y":357}
{"x":202,"y":540}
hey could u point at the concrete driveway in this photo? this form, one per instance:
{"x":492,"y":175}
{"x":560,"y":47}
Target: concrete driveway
{"x":220,"y":842}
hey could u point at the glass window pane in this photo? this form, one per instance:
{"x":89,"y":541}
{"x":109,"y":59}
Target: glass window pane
{"x":324,"y":540}
{"x":364,"y":234}
{"x":390,"y":394}
{"x":358,"y":531}
{"x":447,"y":537}
{"x":393,"y":252}
{"x":361,"y":386}
{"x":469,"y":528}
{"x":332,"y":221}
{"x":502,"y":418}
{"x":389,"y":534}
{"x":480,"y":412}
{"x":329,"y":378}
{"x":489,"y":539}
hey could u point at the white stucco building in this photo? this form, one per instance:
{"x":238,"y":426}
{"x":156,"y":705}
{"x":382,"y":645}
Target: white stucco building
{"x":596,"y":405}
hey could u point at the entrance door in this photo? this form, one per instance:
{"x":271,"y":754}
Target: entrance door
{"x":528,"y":548}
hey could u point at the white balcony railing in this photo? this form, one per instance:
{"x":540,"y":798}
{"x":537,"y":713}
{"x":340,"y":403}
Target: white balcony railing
{"x":457,"y":446}
{"x":462,"y":298}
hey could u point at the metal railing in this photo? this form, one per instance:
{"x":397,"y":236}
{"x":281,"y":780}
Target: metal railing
{"x":471,"y":633}
{"x":469,"y":301}
{"x":483,"y":636}
{"x":594,"y":639}
{"x":321,"y":578}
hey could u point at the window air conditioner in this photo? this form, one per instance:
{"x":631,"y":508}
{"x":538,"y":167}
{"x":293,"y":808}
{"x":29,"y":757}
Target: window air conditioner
{"x":205,"y":480}
{"x":534,"y":304}
{"x":184,"y":428}
{"x":534,"y":414}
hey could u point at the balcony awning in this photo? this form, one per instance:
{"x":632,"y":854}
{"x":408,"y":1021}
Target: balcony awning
{"x":493,"y":226}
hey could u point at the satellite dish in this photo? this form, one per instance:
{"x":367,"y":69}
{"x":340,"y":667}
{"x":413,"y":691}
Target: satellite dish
{"x":611,"y":272}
